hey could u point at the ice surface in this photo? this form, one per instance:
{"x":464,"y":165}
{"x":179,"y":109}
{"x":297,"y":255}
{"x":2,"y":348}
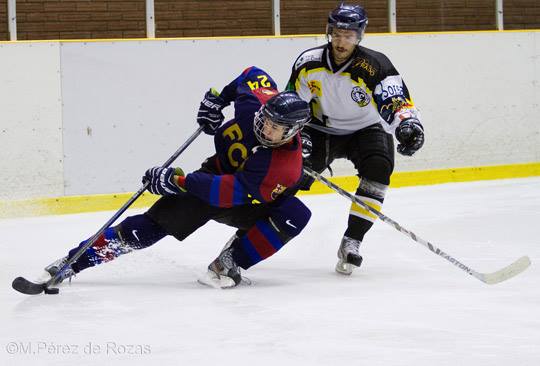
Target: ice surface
{"x":405,"y":306}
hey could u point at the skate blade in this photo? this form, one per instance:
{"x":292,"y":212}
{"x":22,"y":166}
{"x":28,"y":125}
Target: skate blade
{"x":344,"y":268}
{"x":210,"y":279}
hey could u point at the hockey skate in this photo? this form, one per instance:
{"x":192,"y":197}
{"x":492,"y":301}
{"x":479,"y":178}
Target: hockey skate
{"x":53,"y":268}
{"x":223,"y":271}
{"x":348,"y":256}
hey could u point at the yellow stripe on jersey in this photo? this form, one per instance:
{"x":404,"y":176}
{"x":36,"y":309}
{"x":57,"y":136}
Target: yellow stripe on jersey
{"x":359,"y":211}
{"x":304,"y":73}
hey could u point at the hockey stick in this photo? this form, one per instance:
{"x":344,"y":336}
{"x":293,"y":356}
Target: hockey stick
{"x":30,"y":288}
{"x":490,"y":278}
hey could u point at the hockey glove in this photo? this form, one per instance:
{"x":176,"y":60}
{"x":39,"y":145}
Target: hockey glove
{"x":210,"y":116}
{"x":410,"y":135}
{"x":307,"y":145}
{"x":164,"y":181}
{"x":305,"y":183}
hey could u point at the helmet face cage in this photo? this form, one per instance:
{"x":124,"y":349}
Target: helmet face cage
{"x":347,"y":17}
{"x":262,"y":118}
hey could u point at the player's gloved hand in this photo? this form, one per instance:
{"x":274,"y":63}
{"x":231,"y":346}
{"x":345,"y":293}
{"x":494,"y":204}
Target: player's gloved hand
{"x":210,"y":116}
{"x":410,"y":135}
{"x":307,"y":145}
{"x":305,"y":182}
{"x":163,"y":181}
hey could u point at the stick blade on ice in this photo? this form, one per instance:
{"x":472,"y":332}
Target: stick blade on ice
{"x":507,"y":272}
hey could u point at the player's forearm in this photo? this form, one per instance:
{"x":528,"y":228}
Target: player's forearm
{"x":217,"y":190}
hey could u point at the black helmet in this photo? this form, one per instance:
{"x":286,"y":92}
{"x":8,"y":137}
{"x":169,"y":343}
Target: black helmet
{"x":351,"y":17}
{"x":285,"y":109}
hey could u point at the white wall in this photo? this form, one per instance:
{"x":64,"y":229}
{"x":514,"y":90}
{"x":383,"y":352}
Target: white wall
{"x":30,"y":121}
{"x":479,"y":95}
{"x":112,"y":109}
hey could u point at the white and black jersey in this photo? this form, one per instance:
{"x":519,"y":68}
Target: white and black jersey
{"x":364,"y":91}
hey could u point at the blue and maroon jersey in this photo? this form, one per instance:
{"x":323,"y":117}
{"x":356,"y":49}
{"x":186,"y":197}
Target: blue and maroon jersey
{"x":244,"y":169}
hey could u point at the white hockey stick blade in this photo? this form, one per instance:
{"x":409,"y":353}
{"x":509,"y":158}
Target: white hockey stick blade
{"x":506,"y":273}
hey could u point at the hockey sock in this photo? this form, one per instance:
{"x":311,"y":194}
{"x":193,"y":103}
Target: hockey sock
{"x":259,"y":243}
{"x":287,"y":219}
{"x":361,"y":220}
{"x":135,"y":232}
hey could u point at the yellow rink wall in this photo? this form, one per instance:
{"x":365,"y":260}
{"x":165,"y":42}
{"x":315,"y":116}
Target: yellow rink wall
{"x":103,"y":202}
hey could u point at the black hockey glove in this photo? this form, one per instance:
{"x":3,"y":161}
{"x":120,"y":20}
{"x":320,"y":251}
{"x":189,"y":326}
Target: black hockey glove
{"x":305,"y":182}
{"x":307,"y":145}
{"x":210,"y":116}
{"x":162,"y":180}
{"x":410,"y":135}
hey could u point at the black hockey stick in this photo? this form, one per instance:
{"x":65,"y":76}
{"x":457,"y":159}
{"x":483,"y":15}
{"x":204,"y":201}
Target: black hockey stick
{"x":490,"y":278}
{"x":31,"y":288}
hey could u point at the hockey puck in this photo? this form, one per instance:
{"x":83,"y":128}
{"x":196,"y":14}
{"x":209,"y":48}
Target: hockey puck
{"x":51,"y":290}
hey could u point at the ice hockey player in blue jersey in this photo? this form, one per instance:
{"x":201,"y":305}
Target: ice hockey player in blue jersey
{"x":358,"y":100}
{"x":258,"y":156}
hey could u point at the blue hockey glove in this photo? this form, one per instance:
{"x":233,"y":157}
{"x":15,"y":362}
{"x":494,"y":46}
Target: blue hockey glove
{"x":162,"y":180}
{"x":410,"y":135}
{"x":210,"y":116}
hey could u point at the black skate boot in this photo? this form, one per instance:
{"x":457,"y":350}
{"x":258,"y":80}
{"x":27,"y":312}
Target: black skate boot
{"x":223,"y":271}
{"x":348,"y":255}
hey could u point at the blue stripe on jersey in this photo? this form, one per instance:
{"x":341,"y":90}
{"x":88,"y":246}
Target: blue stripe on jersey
{"x":239,"y":195}
{"x":214,"y":190}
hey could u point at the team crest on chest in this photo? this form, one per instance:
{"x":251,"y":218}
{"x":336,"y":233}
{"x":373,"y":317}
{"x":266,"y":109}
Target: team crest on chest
{"x":360,"y":96}
{"x":277,"y":191}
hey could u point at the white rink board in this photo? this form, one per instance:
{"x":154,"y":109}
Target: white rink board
{"x":128,"y":105}
{"x":30,"y":121}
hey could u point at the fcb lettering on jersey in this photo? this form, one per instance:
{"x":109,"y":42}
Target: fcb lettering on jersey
{"x":248,"y":170}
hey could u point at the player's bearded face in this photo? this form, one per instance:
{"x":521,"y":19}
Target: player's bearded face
{"x":273,"y":131}
{"x":343,"y":43}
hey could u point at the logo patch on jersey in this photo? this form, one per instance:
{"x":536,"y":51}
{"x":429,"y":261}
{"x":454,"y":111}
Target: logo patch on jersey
{"x":306,"y":58}
{"x":277,"y":191}
{"x":360,"y":96}
{"x":315,"y":87}
{"x":390,"y":87}
{"x":364,"y":64}
{"x":264,"y":94}
{"x":399,"y":103}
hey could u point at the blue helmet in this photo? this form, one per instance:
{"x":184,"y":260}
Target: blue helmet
{"x":350,"y":17}
{"x":286,"y":111}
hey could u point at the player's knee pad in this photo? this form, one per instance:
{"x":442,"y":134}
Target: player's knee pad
{"x":269,"y":235}
{"x":377,"y":168}
{"x":290,"y":217}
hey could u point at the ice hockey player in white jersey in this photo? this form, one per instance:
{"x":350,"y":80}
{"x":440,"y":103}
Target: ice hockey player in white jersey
{"x":358,"y":100}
